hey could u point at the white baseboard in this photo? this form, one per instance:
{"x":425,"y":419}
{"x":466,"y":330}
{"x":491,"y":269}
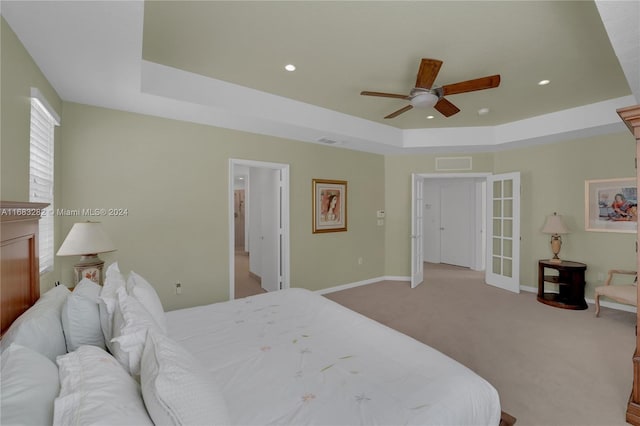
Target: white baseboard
{"x":396,"y":278}
{"x":614,"y":305}
{"x":361,"y":283}
{"x":606,"y":304}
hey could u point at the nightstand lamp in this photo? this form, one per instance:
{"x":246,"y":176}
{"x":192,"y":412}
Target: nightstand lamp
{"x":87,"y":239}
{"x":555,"y":226}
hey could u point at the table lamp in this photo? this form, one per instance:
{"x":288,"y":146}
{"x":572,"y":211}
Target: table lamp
{"x":87,"y":239}
{"x":555,"y":226}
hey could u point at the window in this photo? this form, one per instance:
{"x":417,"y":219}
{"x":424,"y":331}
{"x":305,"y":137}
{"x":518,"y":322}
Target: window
{"x":43,"y":121}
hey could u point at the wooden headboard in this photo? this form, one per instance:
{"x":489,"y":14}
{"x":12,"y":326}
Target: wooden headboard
{"x":19,"y":268}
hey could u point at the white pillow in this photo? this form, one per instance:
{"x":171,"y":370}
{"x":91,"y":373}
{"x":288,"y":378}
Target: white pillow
{"x":139,"y":288}
{"x":40,"y":327}
{"x":176,"y":389}
{"x":30,"y":384}
{"x":81,"y":316}
{"x":108,"y":300}
{"x":96,"y":390}
{"x":130,"y":325}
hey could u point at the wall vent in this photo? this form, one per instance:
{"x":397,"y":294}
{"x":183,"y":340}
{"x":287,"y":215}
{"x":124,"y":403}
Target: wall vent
{"x":451,"y":164}
{"x":327,"y":141}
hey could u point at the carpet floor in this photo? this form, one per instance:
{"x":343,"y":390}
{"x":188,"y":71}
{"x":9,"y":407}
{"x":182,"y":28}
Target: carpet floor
{"x":550,"y":366}
{"x":245,"y":283}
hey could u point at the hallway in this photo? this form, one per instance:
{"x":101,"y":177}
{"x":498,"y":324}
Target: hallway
{"x":245,"y":284}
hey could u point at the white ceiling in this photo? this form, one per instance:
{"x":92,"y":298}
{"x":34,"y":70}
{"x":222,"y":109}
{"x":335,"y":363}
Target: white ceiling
{"x":221,"y":63}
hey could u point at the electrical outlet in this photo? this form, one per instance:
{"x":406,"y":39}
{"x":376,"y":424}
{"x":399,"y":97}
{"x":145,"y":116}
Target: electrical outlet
{"x":178,"y":288}
{"x":359,"y":261}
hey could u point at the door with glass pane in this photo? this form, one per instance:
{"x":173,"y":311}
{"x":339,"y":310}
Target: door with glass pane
{"x":417,"y":223}
{"x":503,"y":231}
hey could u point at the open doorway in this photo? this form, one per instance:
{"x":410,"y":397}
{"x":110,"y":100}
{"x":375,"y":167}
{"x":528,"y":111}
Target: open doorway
{"x":258,"y":227}
{"x":496,"y":231}
{"x":246,"y":283}
{"x":427,"y":229}
{"x":454,"y":219}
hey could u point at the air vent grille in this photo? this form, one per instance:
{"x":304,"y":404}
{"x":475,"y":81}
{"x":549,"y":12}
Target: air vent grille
{"x":327,"y":141}
{"x":450,"y":164}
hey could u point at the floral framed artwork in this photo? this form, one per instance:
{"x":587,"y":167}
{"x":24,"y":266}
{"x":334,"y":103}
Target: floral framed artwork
{"x":329,"y":205}
{"x":611,"y":205}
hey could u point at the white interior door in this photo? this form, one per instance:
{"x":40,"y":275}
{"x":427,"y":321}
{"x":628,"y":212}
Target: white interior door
{"x":503,"y":231}
{"x":456,"y":222}
{"x":270,"y":239}
{"x":431,"y":228}
{"x":417,"y":263}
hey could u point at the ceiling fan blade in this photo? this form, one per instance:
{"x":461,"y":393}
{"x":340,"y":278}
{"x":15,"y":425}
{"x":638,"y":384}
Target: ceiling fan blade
{"x":400,"y":111}
{"x":385,"y":95}
{"x":471,"y":85}
{"x":446,"y":108}
{"x":427,"y":73}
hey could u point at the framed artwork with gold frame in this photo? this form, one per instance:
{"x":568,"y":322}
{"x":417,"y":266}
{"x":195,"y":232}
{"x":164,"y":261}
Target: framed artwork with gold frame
{"x":329,"y":205}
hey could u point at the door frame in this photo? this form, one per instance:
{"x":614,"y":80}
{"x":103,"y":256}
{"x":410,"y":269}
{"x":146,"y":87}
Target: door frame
{"x":285,"y":261}
{"x":480,"y":243}
{"x":417,"y":227}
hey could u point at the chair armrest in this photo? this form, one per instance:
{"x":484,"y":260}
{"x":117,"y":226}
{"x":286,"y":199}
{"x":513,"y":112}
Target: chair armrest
{"x":612,"y":272}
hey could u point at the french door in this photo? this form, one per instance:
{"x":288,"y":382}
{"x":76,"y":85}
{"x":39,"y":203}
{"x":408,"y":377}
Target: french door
{"x":417,"y":224}
{"x":503,"y":231}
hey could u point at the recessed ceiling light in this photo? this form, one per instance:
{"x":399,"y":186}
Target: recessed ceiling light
{"x":290,"y":67}
{"x":430,"y":117}
{"x":543,"y":82}
{"x":483,"y":111}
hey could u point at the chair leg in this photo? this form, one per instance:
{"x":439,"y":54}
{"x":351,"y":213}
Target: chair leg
{"x":597,"y":305}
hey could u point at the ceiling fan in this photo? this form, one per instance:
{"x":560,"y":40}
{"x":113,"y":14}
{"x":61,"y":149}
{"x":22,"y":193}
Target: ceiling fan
{"x":425,"y":95}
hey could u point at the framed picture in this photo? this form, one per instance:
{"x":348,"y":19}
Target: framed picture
{"x":611,"y":205}
{"x":329,"y":205}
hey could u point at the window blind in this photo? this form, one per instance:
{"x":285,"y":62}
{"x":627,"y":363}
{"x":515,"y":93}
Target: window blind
{"x":41,"y":174}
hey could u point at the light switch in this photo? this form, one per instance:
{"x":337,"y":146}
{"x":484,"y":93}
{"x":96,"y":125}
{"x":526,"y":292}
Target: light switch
{"x":380,"y":214}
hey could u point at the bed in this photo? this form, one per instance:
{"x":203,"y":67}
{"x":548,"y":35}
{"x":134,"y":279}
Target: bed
{"x":294,"y":357}
{"x":288,"y":357}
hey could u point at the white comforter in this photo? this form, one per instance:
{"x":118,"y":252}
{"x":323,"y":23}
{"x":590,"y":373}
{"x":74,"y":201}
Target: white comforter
{"x":294,"y":357}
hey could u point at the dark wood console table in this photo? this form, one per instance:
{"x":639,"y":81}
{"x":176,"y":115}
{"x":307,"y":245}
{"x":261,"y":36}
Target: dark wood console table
{"x":570,"y":279}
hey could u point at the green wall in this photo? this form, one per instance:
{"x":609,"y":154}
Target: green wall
{"x":172,"y":177}
{"x":553,"y":178}
{"x":398,"y":170}
{"x":18,"y":74}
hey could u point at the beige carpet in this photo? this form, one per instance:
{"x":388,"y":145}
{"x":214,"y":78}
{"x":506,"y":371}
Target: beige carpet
{"x":245,"y":285}
{"x":551,"y":366}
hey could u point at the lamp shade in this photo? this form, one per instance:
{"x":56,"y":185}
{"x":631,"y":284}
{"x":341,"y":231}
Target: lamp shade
{"x":555,"y":225}
{"x":86,"y":238}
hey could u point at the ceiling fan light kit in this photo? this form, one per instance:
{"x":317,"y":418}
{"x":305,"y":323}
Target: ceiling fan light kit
{"x":424,"y":100}
{"x":425,"y":95}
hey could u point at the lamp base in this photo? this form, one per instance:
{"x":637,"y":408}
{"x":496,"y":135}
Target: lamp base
{"x":90,"y":266}
{"x":556,"y":244}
